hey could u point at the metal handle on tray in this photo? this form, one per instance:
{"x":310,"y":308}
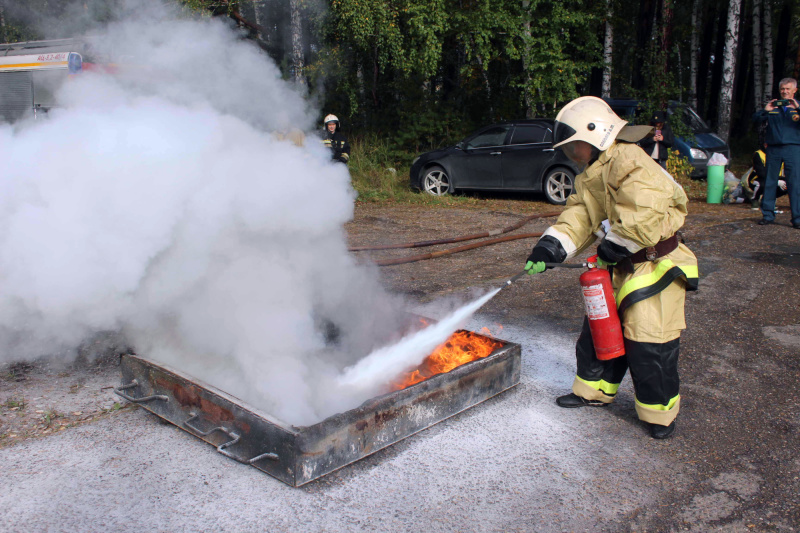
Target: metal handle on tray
{"x":132,"y":384}
{"x":234,"y":439}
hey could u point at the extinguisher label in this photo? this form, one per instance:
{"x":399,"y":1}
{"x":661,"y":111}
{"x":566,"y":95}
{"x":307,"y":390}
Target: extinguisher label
{"x":596,"y":306}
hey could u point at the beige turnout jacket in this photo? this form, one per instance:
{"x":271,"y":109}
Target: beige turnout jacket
{"x":643,"y":205}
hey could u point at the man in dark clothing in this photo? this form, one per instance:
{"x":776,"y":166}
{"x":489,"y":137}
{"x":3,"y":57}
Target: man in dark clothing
{"x":657,"y":144}
{"x":335,"y":140}
{"x":783,"y":148}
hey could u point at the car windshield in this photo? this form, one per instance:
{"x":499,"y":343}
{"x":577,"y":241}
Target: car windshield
{"x":492,"y":137}
{"x":695,"y":123}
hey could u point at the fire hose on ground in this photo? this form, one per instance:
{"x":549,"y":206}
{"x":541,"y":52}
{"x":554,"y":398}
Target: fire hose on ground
{"x":422,"y":244}
{"x":431,"y":255}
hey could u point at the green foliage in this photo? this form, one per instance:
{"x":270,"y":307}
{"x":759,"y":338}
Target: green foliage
{"x":425,"y":71}
{"x":211,"y":7}
{"x":379,"y":172}
{"x":679,"y":168}
{"x":558,"y":52}
{"x":680,"y":125}
{"x":429,"y":129}
{"x":473,"y":61}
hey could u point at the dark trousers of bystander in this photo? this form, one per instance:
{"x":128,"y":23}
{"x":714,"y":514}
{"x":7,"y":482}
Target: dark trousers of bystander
{"x":789,"y":155}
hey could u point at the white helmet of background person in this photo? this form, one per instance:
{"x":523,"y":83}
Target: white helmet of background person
{"x":329,"y":119}
{"x":587,"y":119}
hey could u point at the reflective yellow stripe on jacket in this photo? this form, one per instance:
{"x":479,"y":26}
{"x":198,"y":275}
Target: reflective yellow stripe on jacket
{"x":642,"y":287}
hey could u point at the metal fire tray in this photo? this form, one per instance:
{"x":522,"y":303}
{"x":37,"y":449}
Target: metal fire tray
{"x":297,"y":455}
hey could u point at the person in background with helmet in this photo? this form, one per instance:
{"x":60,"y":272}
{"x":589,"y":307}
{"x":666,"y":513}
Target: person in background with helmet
{"x":643,"y":208}
{"x":335,"y":140}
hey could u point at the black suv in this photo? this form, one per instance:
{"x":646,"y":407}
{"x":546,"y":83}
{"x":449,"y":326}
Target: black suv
{"x":512,"y":156}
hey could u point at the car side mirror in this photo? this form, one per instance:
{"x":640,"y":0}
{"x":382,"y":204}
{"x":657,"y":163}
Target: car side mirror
{"x":460,"y":145}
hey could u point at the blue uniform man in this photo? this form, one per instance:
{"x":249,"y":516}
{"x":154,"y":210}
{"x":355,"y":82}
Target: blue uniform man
{"x":783,"y":148}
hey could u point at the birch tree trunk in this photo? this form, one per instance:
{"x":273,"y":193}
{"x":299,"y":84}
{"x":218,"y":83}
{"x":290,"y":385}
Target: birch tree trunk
{"x":486,"y":84}
{"x":768,"y":51}
{"x":758,"y":82}
{"x":2,"y":25}
{"x":297,"y":42}
{"x":695,"y":50}
{"x":728,"y":70}
{"x":526,"y":61}
{"x":258,"y":5}
{"x":666,"y":39}
{"x":608,"y":50}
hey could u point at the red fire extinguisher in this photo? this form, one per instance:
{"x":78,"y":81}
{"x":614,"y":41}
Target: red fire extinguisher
{"x":601,"y":309}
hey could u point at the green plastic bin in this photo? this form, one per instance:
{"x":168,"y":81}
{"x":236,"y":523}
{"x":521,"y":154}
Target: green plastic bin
{"x":715,"y":183}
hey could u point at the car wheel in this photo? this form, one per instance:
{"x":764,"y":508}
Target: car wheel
{"x":435,"y":181}
{"x":558,"y":184}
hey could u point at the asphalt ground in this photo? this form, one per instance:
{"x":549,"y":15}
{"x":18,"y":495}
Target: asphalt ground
{"x":74,"y":458}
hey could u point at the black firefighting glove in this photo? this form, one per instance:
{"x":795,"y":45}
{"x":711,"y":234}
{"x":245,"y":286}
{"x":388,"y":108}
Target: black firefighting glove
{"x":612,"y":253}
{"x":547,"y":250}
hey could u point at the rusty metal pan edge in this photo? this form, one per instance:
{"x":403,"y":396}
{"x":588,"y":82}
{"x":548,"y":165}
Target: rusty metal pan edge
{"x":389,"y":444}
{"x":509,"y":351}
{"x":507,"y":357}
{"x":228,"y":397}
{"x":433,"y":382}
{"x":369,"y":405}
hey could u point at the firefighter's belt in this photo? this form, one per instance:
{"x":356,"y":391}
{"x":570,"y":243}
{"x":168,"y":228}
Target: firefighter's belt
{"x":651,"y":253}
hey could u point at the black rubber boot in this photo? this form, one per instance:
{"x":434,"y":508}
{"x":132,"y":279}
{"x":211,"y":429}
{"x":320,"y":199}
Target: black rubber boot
{"x":765,"y":222}
{"x":573,"y":400}
{"x":662,"y":432}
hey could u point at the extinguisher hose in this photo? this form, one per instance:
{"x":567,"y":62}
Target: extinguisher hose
{"x":515,"y":277}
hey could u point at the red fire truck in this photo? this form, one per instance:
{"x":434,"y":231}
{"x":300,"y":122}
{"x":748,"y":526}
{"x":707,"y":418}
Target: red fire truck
{"x":31,"y":72}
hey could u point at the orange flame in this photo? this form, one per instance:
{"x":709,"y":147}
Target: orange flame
{"x":461,"y":348}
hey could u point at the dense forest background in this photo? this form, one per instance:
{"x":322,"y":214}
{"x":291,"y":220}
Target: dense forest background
{"x":423,"y":72}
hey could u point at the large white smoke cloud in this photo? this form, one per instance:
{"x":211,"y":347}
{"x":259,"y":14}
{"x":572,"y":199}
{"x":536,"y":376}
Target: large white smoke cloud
{"x":162,"y":202}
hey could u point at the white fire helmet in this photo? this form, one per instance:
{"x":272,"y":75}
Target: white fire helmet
{"x":587,"y":119}
{"x":331,"y":118}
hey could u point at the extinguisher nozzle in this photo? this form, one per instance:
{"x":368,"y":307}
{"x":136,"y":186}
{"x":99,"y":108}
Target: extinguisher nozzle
{"x":514,"y":278}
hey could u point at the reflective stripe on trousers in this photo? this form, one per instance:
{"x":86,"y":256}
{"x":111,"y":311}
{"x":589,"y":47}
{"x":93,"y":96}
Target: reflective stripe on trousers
{"x":654,"y":372}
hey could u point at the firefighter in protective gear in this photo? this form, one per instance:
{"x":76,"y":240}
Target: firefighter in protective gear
{"x":335,"y":140}
{"x":651,"y":269}
{"x":753,"y":180}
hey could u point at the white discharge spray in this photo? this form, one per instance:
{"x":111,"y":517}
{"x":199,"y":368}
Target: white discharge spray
{"x":164,"y":200}
{"x":386,"y":363}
